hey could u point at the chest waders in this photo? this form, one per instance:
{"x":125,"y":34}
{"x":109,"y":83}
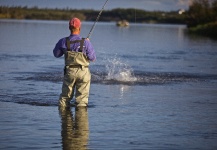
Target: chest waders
{"x":76,"y":76}
{"x":75,"y":59}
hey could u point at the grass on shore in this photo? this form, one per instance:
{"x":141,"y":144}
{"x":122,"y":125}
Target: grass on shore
{"x":209,"y":29}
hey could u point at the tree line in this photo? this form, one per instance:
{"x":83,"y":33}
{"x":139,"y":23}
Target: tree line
{"x":131,"y":15}
{"x":201,"y":12}
{"x":201,"y":17}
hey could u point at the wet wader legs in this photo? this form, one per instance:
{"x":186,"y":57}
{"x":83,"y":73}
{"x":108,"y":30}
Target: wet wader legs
{"x":67,"y":94}
{"x":82,"y":87}
{"x":75,"y":79}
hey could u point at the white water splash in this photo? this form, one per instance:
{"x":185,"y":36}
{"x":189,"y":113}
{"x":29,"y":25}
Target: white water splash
{"x":119,"y":71}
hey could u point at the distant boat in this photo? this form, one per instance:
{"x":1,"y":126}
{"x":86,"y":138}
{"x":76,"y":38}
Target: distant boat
{"x":123,"y":23}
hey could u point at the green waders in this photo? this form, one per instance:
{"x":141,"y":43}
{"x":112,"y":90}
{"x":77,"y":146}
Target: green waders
{"x":76,"y":77}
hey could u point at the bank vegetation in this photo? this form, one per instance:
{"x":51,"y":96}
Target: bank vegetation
{"x":201,"y":18}
{"x":132,"y":15}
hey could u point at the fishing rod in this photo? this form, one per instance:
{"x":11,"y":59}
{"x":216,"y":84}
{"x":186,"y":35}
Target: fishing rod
{"x":97,"y":19}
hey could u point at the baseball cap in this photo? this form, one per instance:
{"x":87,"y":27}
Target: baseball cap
{"x":75,"y":22}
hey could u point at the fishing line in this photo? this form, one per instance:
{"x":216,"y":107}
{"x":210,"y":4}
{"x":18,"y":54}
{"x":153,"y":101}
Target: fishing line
{"x":97,"y":19}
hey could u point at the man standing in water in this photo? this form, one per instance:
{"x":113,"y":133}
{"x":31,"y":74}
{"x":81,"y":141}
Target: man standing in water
{"x":78,"y":53}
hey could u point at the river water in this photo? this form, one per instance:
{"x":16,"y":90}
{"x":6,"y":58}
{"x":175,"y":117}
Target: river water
{"x":153,"y":87}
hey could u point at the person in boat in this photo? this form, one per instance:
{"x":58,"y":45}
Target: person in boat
{"x":78,"y":53}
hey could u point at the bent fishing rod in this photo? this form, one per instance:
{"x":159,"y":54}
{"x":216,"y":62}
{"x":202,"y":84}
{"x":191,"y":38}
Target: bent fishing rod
{"x":91,"y":30}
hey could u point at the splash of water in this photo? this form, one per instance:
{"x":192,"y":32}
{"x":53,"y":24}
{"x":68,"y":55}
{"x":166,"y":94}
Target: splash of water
{"x":119,"y":71}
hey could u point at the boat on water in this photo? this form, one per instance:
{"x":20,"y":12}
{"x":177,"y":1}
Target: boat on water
{"x":123,"y":23}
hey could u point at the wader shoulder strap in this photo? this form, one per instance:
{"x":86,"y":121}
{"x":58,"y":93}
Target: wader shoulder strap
{"x":68,"y":42}
{"x":81,"y":44}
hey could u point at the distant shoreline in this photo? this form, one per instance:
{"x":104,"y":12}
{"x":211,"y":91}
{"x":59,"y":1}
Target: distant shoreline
{"x":131,"y":15}
{"x":114,"y":15}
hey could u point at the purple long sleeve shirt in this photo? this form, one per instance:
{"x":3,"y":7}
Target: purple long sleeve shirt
{"x":61,"y":47}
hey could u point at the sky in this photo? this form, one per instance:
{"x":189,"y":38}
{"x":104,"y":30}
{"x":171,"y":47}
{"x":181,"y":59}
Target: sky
{"x":150,"y":5}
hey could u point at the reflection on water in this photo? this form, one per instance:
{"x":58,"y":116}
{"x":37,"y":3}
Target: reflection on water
{"x":123,"y":90}
{"x":75,"y":130}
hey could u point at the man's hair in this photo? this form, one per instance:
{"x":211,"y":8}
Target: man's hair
{"x":73,"y":29}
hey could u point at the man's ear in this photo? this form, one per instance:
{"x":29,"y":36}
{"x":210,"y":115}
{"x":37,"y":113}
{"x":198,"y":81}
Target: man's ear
{"x":70,"y":28}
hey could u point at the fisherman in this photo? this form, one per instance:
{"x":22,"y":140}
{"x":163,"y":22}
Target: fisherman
{"x":78,"y":53}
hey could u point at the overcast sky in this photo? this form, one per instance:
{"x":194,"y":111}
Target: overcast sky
{"x":165,"y":5}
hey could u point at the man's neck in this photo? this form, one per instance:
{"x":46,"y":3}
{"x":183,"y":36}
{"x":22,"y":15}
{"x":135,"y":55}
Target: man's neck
{"x":76,"y":33}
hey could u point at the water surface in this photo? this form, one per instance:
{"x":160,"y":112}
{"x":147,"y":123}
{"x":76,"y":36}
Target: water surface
{"x":153,"y":87}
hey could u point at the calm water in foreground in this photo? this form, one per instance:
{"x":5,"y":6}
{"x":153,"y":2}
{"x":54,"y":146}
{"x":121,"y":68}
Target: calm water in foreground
{"x":153,"y":87}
